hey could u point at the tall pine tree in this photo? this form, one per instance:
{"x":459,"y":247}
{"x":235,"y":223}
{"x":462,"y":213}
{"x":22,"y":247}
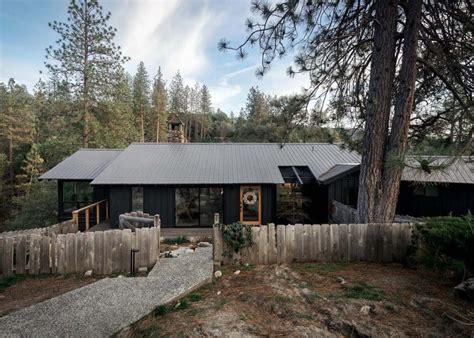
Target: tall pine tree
{"x":159,"y":101}
{"x":141,"y":98}
{"x":85,"y":56}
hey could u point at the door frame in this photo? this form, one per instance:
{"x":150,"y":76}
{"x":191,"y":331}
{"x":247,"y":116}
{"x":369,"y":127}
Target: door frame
{"x":259,"y":199}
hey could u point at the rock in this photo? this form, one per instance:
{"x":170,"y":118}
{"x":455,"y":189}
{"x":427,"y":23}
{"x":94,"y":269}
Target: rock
{"x":236,"y":272}
{"x":173,"y":247}
{"x":170,"y":254}
{"x":119,"y":276}
{"x":246,"y":265}
{"x":88,"y":273}
{"x":219,"y":292}
{"x":218,"y":274}
{"x":143,"y":269}
{"x":204,"y":244}
{"x":366,"y":310}
{"x":2,"y":296}
{"x":177,"y":304}
{"x":188,"y":250}
{"x":465,"y":290}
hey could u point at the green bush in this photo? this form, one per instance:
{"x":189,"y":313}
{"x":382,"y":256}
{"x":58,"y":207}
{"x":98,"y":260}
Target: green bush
{"x":236,"y":236}
{"x":446,"y":243}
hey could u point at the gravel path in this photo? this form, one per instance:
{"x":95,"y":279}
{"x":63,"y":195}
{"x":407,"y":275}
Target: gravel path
{"x":111,"y":304}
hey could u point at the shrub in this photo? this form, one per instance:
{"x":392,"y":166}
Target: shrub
{"x":446,"y":243}
{"x":363,"y":290}
{"x":176,"y":240}
{"x":237,"y":236}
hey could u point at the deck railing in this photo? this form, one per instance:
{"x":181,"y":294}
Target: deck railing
{"x":87,"y":211}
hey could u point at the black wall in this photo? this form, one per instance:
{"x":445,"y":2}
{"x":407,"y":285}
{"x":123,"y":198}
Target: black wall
{"x":231,"y":203}
{"x":456,"y":199}
{"x":160,"y":200}
{"x":120,"y":202}
{"x":268,"y":203}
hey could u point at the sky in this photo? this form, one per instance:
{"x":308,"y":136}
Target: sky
{"x":174,"y":34}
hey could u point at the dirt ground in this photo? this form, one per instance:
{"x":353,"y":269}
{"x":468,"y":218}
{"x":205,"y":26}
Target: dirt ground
{"x":34,"y":289}
{"x":357,"y":299}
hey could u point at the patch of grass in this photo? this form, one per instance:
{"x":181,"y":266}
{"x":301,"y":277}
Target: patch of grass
{"x":162,"y":310}
{"x":183,"y":304}
{"x":363,"y":290}
{"x":319,"y":267}
{"x":193,"y":312}
{"x":176,"y":240}
{"x":283,"y":299}
{"x":195,"y":297}
{"x":6,"y":282}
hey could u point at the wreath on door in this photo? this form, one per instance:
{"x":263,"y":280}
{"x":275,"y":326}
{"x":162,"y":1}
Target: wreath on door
{"x":250,"y":198}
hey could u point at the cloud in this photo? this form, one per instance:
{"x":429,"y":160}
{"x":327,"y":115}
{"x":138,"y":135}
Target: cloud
{"x":172,"y":34}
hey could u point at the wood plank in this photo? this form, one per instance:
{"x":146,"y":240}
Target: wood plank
{"x":80,"y":250}
{"x":53,"y":258}
{"x":256,"y":246}
{"x":89,"y":251}
{"x":108,"y":245}
{"x":61,"y":253}
{"x":306,"y":242}
{"x":290,"y":243}
{"x":7,"y":266}
{"x":217,"y":247}
{"x":154,"y":245}
{"x":325,"y":242}
{"x":71,"y":253}
{"x":281,"y":247}
{"x":2,"y":255}
{"x":34,"y":259}
{"x":335,"y":247}
{"x":299,"y":244}
{"x":263,"y":245}
{"x":126,"y":249}
{"x":99,"y":256}
{"x":20,"y":257}
{"x":45,"y":254}
{"x":317,"y":242}
{"x":117,"y":251}
{"x":387,"y":242}
{"x":343,"y":245}
{"x":272,"y":244}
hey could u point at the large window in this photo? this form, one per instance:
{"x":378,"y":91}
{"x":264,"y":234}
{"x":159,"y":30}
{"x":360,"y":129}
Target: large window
{"x":292,"y":205}
{"x":197,"y":206}
{"x":76,"y":194}
{"x":137,"y":198}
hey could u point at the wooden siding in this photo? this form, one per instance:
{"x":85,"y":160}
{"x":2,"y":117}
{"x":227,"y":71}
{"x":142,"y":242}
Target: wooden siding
{"x":120,"y":202}
{"x":160,"y":200}
{"x":231,"y":203}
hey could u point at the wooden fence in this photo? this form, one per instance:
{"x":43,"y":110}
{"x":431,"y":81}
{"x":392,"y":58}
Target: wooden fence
{"x":138,"y":219}
{"x":103,"y":252}
{"x":65,"y":227}
{"x":321,"y":243}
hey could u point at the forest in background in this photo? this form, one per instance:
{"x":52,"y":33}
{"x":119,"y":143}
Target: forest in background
{"x":86,"y":99}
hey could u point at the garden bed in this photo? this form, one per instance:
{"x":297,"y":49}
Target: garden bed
{"x":21,"y":291}
{"x":357,"y":299}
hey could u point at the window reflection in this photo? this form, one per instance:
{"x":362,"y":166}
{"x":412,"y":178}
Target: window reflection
{"x":197,"y":206}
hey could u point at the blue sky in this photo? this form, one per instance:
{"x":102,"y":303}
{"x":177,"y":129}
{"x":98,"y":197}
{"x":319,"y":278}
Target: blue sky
{"x":176,"y":35}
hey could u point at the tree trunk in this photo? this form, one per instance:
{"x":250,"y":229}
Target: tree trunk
{"x":86,"y":121}
{"x":378,"y":109}
{"x":142,"y":126}
{"x":158,"y":128}
{"x":387,"y":205}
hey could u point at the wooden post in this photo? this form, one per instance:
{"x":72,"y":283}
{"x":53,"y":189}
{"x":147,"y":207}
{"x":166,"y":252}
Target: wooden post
{"x":75,"y":217}
{"x":216,"y":218}
{"x":87,"y":219}
{"x":97,"y":214}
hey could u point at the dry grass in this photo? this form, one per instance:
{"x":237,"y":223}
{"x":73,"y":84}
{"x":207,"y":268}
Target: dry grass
{"x":317,"y":299}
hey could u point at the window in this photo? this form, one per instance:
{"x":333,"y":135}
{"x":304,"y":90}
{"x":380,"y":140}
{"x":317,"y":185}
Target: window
{"x":197,"y":206}
{"x":137,"y":198}
{"x":428,"y":191}
{"x":292,"y":205}
{"x":76,"y":194}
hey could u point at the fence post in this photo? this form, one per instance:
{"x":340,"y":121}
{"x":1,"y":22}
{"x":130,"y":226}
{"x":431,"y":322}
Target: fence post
{"x":216,"y":218}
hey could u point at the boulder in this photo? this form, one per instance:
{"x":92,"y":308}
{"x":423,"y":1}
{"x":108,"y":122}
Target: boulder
{"x":88,"y":273}
{"x":218,"y":274}
{"x":204,"y":244}
{"x":465,"y":290}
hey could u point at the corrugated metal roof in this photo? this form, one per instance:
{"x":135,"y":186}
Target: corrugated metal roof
{"x":460,"y":171}
{"x":337,"y":171}
{"x":84,"y":164}
{"x":218,"y":163}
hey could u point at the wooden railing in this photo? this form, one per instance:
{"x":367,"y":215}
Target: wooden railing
{"x":87,"y":211}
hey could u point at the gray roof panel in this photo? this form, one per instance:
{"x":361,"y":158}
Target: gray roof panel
{"x":84,"y":164}
{"x":218,"y":163}
{"x":460,"y":171}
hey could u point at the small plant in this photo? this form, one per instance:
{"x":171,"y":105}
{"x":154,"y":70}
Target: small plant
{"x":6,"y":282}
{"x":183,"y":304}
{"x":162,"y":310}
{"x":195,"y":297}
{"x":237,"y":236}
{"x":363,"y":290}
{"x":176,"y":240}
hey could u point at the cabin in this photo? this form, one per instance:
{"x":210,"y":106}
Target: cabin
{"x":189,"y":184}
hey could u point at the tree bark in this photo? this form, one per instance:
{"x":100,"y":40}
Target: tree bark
{"x":387,"y":204}
{"x":378,"y":110}
{"x":142,"y":127}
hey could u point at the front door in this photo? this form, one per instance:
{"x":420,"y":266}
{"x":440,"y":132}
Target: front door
{"x":250,"y":204}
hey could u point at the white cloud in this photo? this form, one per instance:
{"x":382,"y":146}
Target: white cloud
{"x":172,"y":34}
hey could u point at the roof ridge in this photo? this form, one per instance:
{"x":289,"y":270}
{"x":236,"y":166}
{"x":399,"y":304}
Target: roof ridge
{"x":234,"y":143}
{"x":101,"y":149}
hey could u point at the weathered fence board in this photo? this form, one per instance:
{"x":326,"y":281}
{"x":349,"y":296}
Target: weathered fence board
{"x":321,"y":243}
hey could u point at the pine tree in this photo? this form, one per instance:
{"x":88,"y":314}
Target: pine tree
{"x":258,"y":108}
{"x":33,"y":167}
{"x":141,"y":98}
{"x":205,"y":111}
{"x":159,"y":99}
{"x":85,"y":57}
{"x":177,"y":96}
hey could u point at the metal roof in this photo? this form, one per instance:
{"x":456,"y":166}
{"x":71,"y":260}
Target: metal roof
{"x":84,"y":164}
{"x":460,"y":171}
{"x":218,"y":163}
{"x":337,"y":171}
